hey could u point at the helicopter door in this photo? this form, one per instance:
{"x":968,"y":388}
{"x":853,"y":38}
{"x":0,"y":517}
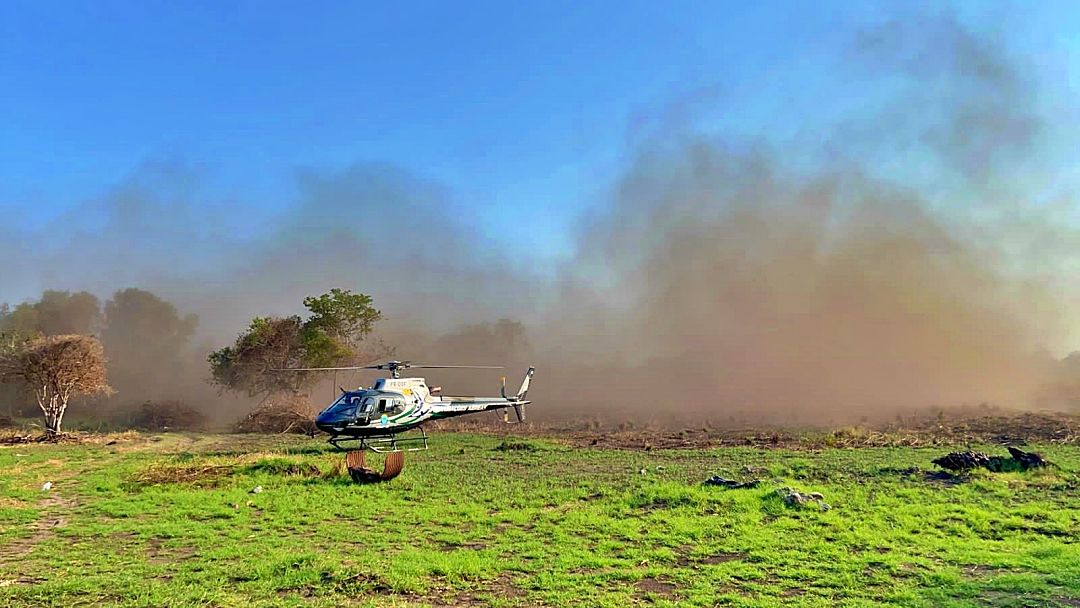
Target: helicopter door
{"x":365,"y":409}
{"x":397,"y":407}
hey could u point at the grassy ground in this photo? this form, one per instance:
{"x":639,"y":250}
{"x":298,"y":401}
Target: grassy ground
{"x":171,"y":520}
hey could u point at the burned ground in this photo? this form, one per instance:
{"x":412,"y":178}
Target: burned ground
{"x":938,"y":428}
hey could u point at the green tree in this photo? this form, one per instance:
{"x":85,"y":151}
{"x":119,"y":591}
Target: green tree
{"x":65,"y":313}
{"x":337,"y":333}
{"x":142,"y":327}
{"x":146,"y":341}
{"x":22,"y":321}
{"x":342,"y":315}
{"x":16,"y":326}
{"x":56,"y":313}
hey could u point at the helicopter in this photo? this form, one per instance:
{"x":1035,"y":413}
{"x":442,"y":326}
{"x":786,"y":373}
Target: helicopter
{"x":374,"y":417}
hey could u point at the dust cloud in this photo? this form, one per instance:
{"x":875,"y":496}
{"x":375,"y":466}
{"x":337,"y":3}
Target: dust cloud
{"x":908,"y":268}
{"x":886,"y":259}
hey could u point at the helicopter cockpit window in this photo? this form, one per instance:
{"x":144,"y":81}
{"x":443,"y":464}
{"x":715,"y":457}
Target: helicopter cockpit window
{"x":384,"y":404}
{"x":397,"y":407}
{"x":367,"y":404}
{"x":345,"y":405}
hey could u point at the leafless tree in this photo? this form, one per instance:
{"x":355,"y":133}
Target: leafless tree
{"x":56,"y":368}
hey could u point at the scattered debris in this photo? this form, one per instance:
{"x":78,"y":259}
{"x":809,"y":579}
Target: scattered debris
{"x":161,"y":473}
{"x":1028,"y":460}
{"x":792,"y":497}
{"x":731,"y":484}
{"x":47,"y":486}
{"x":516,"y":446}
{"x":965,"y":461}
{"x":17,"y":437}
{"x":286,"y":468}
{"x":19,"y":581}
{"x":256,"y":490}
{"x":58,"y":438}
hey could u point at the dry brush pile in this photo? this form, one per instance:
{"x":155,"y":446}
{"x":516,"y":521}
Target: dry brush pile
{"x":285,"y":414}
{"x":165,"y":416}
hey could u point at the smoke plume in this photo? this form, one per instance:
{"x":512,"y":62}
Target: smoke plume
{"x":906,"y":250}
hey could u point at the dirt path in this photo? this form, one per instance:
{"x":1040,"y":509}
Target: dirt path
{"x":55,"y":508}
{"x":55,"y":511}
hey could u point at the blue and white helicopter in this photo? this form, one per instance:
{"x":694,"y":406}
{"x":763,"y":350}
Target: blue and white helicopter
{"x":376,"y":416}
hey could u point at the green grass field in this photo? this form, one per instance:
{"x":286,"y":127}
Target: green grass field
{"x":170,"y":520}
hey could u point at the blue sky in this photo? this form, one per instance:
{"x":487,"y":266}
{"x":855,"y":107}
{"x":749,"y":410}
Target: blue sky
{"x":512,"y":105}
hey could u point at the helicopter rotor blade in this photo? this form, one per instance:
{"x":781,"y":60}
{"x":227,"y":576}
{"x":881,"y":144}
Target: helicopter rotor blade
{"x":384,"y":366}
{"x":459,"y":366}
{"x":315,"y":369}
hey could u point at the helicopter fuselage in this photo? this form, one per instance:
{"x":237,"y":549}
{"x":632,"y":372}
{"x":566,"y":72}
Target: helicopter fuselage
{"x":394,"y":405}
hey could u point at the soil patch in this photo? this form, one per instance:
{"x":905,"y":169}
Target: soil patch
{"x":723,"y":558}
{"x":501,"y":587}
{"x":447,"y":547}
{"x":157,"y":553}
{"x":651,"y":585}
{"x":42,"y":529}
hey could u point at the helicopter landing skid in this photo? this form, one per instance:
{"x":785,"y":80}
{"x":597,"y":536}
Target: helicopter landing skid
{"x":384,"y":444}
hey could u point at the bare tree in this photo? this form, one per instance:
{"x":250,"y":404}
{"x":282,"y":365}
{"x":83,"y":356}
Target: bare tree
{"x":56,"y":368}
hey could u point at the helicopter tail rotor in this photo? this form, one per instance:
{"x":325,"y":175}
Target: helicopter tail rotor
{"x":518,"y":401}
{"x":524,"y":390}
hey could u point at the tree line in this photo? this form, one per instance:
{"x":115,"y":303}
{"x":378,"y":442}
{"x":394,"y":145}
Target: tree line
{"x":69,"y":344}
{"x":57,"y":347}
